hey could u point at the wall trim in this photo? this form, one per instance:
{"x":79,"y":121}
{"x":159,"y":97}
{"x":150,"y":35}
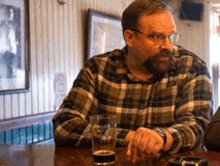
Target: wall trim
{"x":15,"y":123}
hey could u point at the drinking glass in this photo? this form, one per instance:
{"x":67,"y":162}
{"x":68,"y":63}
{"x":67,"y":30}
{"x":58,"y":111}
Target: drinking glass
{"x":103,"y":139}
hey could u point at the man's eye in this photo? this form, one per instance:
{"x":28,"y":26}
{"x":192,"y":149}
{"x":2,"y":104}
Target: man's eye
{"x":155,"y":36}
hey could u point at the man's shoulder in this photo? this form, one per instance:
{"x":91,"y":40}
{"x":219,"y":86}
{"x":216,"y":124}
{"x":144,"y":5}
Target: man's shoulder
{"x":113,"y":55}
{"x":188,"y":55}
{"x":188,"y":62}
{"x":109,"y":58}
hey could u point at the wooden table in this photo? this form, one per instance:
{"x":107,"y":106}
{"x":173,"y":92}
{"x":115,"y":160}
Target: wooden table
{"x":48,"y":155}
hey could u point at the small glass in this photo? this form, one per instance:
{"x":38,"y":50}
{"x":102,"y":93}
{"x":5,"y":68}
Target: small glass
{"x":103,"y":139}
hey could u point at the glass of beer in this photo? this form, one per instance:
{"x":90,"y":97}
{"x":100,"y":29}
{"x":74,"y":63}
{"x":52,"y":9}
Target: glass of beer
{"x":103,"y":139}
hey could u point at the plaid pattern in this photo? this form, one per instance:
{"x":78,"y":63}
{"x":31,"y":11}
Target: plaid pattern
{"x":179,"y":101}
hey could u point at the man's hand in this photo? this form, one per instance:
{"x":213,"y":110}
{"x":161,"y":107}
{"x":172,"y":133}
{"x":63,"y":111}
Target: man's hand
{"x":144,"y":142}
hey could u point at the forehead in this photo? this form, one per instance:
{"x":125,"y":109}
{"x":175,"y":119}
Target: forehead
{"x":159,"y":22}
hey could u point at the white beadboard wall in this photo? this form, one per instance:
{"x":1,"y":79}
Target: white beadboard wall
{"x":57,"y":44}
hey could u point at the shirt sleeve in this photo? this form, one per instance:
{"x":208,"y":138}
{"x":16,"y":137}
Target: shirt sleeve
{"x":193,"y":109}
{"x":71,"y":123}
{"x":211,"y":138}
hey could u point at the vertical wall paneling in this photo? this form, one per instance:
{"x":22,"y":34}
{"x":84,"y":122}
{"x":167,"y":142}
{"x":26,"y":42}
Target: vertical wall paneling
{"x":41,"y":132}
{"x":2,"y":113}
{"x":28,"y":106}
{"x":15,"y":136}
{"x":45,"y":63}
{"x":47,"y":130}
{"x":61,"y":36}
{"x":56,"y":45}
{"x":66,"y":38}
{"x":8,"y":106}
{"x":35,"y":132}
{"x":79,"y":33}
{"x":71,"y":52}
{"x":56,"y":38}
{"x":8,"y":137}
{"x":14,"y":105}
{"x":29,"y":133}
{"x":23,"y":136}
{"x":50,"y":32}
{"x":33,"y":58}
{"x":22,"y":104}
{"x":2,"y":137}
{"x":75,"y":39}
{"x":39,"y":50}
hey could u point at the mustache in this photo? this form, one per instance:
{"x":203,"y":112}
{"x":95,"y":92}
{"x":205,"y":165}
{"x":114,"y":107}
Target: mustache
{"x":166,"y":53}
{"x":152,"y":64}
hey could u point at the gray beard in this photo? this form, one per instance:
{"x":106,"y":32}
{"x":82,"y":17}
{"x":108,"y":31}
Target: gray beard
{"x":152,"y":64}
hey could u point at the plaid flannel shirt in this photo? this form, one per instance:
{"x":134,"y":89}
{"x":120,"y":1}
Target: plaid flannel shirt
{"x":179,"y":101}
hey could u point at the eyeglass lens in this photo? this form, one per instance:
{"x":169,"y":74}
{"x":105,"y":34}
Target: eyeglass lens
{"x":174,"y":38}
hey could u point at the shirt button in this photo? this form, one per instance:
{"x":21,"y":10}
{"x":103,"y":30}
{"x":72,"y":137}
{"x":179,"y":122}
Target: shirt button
{"x":142,"y":107}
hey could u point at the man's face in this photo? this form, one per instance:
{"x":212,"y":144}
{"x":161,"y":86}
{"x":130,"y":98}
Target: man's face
{"x":154,"y":55}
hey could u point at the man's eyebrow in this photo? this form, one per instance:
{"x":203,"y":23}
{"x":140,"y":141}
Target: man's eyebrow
{"x":156,"y":33}
{"x":159,"y":33}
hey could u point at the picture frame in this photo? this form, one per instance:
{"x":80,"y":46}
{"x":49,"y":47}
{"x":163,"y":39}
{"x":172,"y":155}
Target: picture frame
{"x":104,"y":33}
{"x":14,"y":46}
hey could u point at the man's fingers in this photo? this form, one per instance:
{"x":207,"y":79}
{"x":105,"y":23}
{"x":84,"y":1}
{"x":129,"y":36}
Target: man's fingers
{"x":129,"y":151}
{"x":134,"y":145}
{"x":153,"y":147}
{"x":142,"y":146}
{"x":149,"y":146}
{"x":156,"y":149}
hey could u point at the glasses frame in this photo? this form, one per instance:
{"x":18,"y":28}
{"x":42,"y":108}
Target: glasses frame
{"x":163,"y":38}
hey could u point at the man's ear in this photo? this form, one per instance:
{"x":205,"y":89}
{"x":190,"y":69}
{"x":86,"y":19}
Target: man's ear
{"x":129,"y":37}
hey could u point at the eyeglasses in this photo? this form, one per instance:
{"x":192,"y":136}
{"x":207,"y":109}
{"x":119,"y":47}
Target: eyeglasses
{"x":160,"y":38}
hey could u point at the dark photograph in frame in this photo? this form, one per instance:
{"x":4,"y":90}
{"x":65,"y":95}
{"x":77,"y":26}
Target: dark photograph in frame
{"x":104,"y":33}
{"x":14,"y":46}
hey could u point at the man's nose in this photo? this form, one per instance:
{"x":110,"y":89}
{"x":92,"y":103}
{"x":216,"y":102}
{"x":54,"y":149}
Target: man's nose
{"x":167,"y":45}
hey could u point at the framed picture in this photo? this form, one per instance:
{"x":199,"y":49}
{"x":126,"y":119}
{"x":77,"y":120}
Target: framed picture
{"x":14,"y":46}
{"x":104,"y":33}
